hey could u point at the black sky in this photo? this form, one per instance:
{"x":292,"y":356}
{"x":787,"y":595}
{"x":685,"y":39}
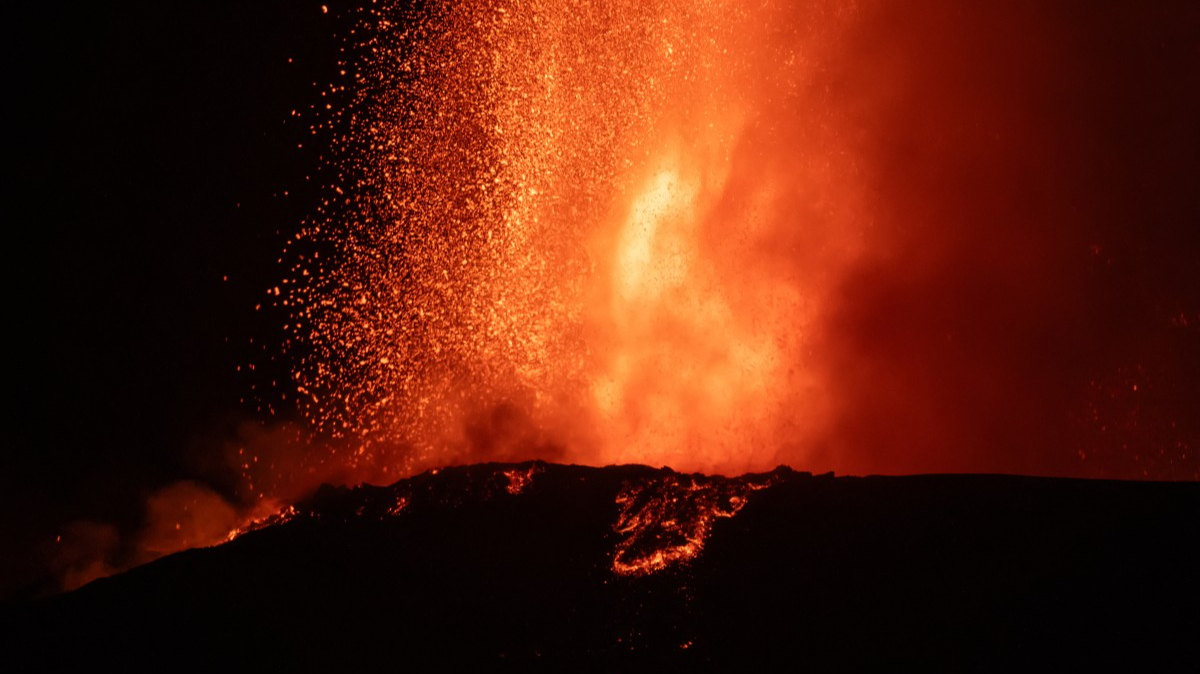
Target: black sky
{"x":150,"y":147}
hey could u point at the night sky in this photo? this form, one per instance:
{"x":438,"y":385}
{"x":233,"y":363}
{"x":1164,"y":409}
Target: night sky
{"x":150,"y":151}
{"x":155,"y":170}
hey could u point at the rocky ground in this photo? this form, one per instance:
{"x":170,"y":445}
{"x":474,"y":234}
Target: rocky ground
{"x":543,"y":566}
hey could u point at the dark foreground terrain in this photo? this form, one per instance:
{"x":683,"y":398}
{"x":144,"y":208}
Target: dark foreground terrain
{"x":539,"y":566}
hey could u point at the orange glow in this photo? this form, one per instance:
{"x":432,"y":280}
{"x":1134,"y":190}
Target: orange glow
{"x":255,"y":523}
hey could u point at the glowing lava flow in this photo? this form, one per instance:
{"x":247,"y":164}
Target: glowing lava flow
{"x":667,"y":521}
{"x":570,"y":230}
{"x":663,"y":518}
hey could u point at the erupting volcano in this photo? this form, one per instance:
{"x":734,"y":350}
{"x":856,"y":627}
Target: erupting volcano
{"x":570,"y":291}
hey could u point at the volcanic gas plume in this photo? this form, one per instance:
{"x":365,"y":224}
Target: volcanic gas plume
{"x":713,"y":236}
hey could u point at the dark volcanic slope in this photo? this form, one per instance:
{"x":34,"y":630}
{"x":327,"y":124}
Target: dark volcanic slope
{"x":566,"y":567}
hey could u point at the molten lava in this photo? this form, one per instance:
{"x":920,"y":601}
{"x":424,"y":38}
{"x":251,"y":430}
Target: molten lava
{"x":667,"y":520}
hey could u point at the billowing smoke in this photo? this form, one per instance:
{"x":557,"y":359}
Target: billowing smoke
{"x":181,"y":515}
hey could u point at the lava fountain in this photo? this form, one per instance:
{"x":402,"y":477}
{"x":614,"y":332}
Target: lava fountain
{"x":571,"y":230}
